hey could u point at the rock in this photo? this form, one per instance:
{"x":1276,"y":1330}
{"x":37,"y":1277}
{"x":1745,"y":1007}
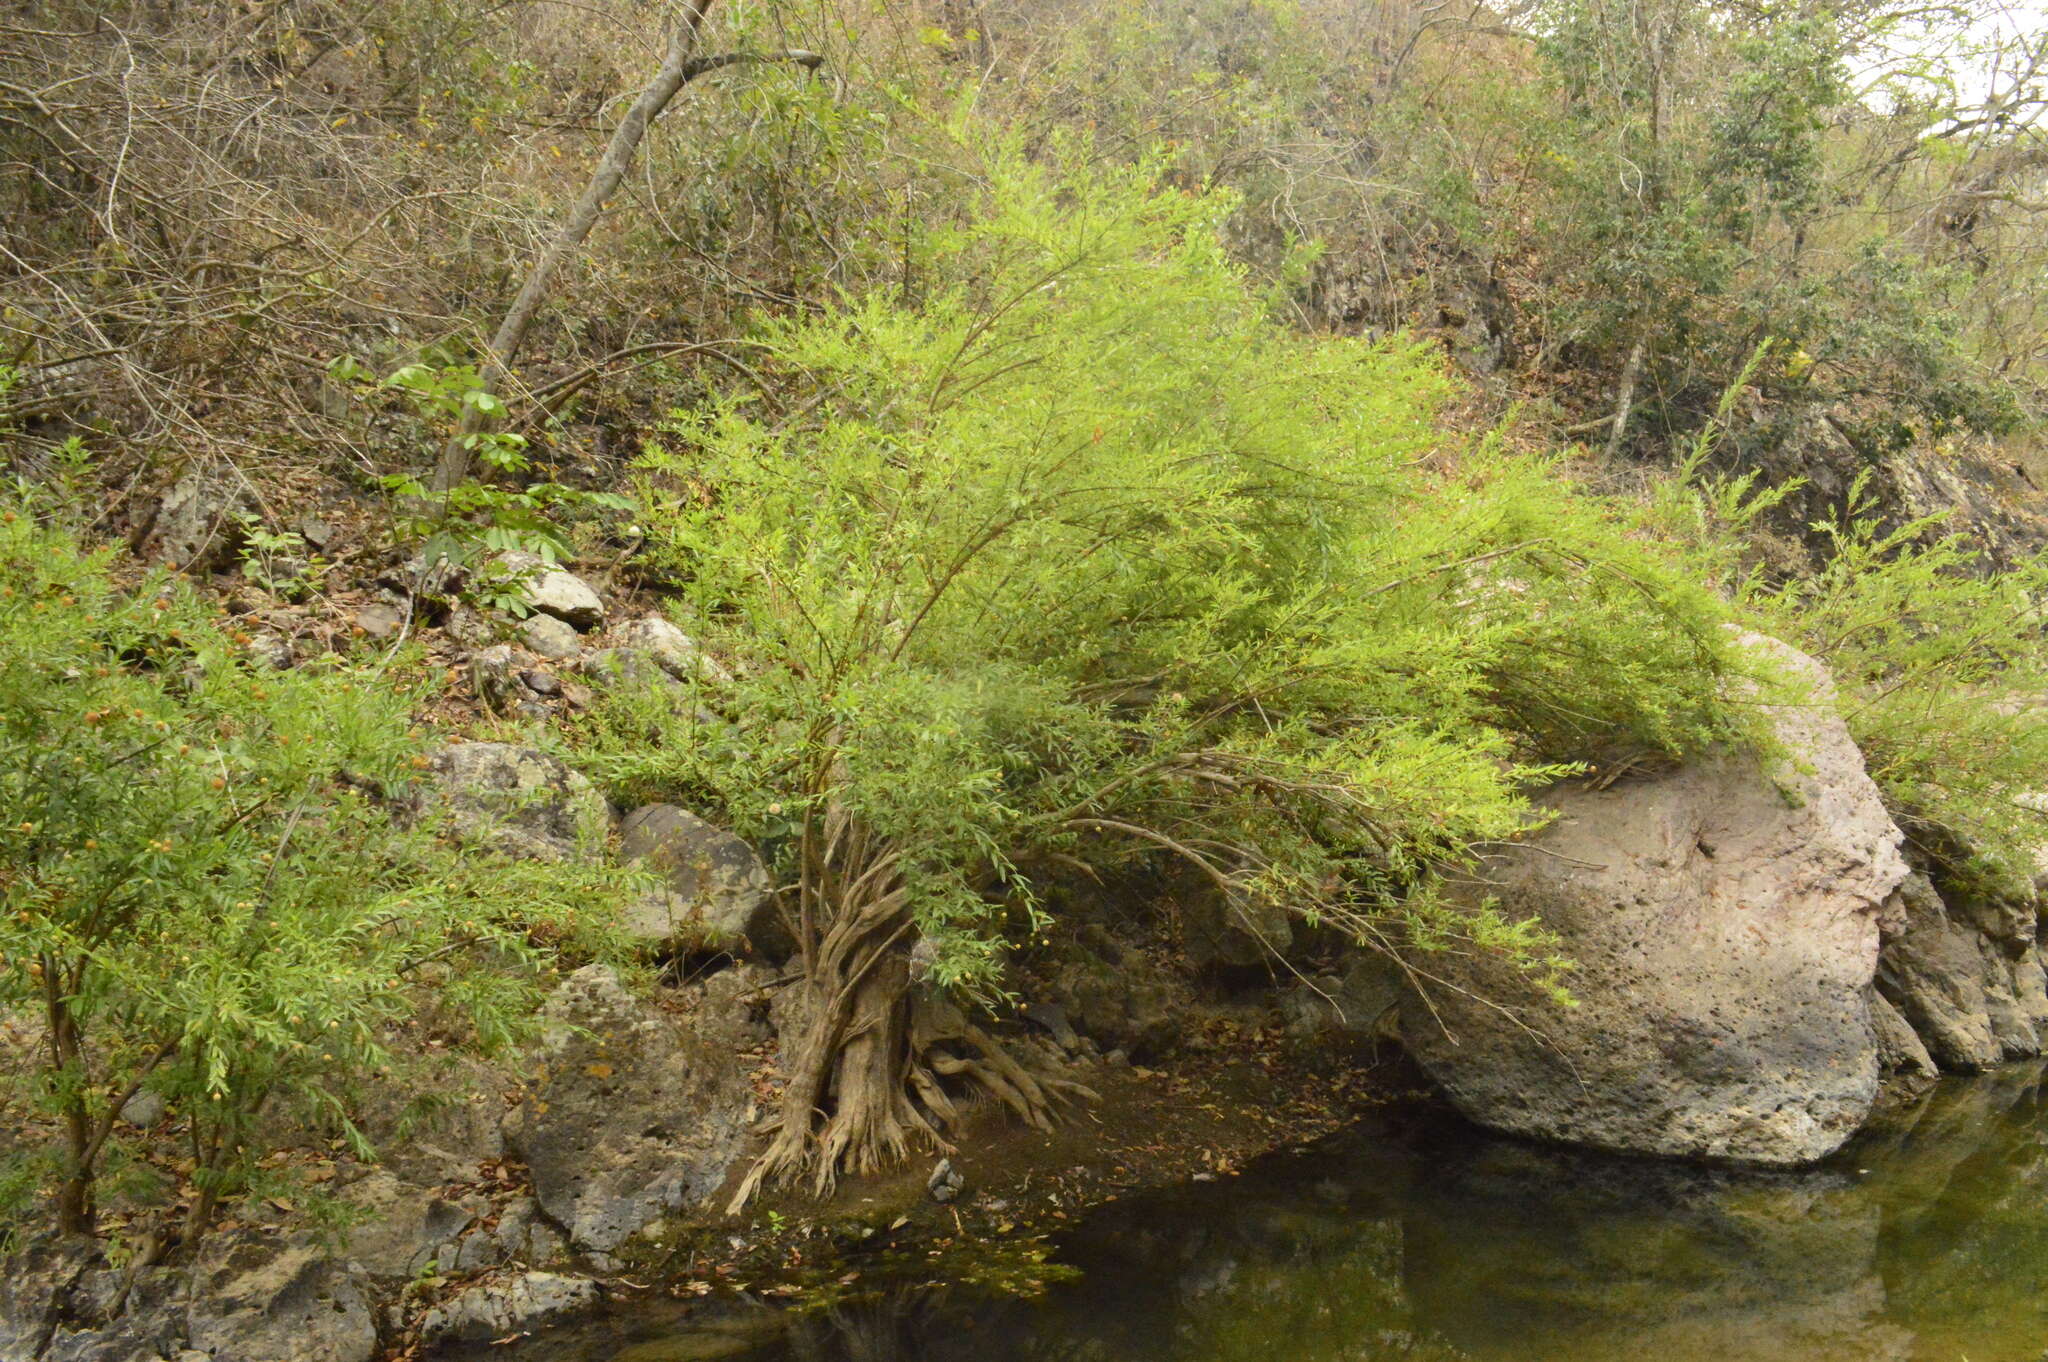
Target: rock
{"x":674,"y":651}
{"x":1221,"y":930}
{"x":549,"y":637}
{"x":523,"y":1237}
{"x":1974,"y":999}
{"x":945,"y":1183}
{"x":1053,"y":1018}
{"x":615,"y":666}
{"x":540,"y":682}
{"x":1348,"y":1004}
{"x":144,"y":1109}
{"x":1128,"y":1004}
{"x":379,"y":620}
{"x":551,"y":591}
{"x":199,"y":524}
{"x":34,"y":1282}
{"x":634,"y":1117}
{"x":405,"y":1226}
{"x":518,"y":801}
{"x":493,"y":675}
{"x":493,"y":1310}
{"x":1899,"y":1049}
{"x":258,"y":1298}
{"x":1724,"y":923}
{"x":268,"y":650}
{"x":715,"y":890}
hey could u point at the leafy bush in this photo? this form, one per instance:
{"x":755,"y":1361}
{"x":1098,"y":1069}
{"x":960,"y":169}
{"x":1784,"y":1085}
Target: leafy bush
{"x":1085,"y":559}
{"x":207,"y":886}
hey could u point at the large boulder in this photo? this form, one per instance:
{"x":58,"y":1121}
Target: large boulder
{"x":1724,"y":920}
{"x":496,"y":1309}
{"x":714,"y":890}
{"x":256,"y":1298}
{"x":633,"y":1116}
{"x":518,"y":801}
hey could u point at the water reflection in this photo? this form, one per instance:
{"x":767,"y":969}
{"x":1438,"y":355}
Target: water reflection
{"x":1420,"y":1239}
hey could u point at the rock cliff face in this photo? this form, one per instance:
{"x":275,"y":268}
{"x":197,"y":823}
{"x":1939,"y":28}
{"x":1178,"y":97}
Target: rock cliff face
{"x":1967,"y":976}
{"x":1724,"y":918}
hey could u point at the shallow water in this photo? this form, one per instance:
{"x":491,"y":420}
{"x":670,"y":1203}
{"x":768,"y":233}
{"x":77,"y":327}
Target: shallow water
{"x":1416,"y":1237}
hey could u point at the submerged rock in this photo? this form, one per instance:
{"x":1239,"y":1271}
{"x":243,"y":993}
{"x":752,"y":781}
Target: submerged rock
{"x":634,"y":1116}
{"x":1724,"y":921}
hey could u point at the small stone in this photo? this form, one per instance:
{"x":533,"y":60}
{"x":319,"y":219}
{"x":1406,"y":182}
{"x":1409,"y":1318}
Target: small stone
{"x":945,"y":1184}
{"x":549,"y":637}
{"x":144,"y":1109}
{"x":551,"y":591}
{"x":674,"y":651}
{"x":540,"y":682}
{"x":491,"y":674}
{"x":379,"y":620}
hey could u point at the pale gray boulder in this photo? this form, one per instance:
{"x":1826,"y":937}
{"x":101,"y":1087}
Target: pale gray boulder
{"x":1724,"y":919}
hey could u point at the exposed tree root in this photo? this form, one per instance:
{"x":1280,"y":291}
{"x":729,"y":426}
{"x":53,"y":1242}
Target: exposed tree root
{"x":885,"y":1070}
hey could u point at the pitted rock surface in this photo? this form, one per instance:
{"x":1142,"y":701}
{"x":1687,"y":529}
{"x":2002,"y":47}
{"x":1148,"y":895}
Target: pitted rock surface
{"x":1724,"y":919}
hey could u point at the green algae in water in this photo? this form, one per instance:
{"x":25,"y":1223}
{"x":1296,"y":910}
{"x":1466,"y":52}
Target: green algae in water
{"x":1420,"y":1239}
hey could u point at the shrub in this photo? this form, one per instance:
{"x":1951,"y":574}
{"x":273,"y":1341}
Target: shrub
{"x":205,"y":887}
{"x":1084,"y":559}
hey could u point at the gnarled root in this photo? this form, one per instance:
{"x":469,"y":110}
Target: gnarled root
{"x":883,"y":1069}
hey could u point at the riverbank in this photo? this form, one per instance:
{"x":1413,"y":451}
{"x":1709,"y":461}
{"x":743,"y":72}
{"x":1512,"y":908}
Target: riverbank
{"x":1412,"y":1235}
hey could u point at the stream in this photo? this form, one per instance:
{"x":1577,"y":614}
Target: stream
{"x":1415,"y":1236}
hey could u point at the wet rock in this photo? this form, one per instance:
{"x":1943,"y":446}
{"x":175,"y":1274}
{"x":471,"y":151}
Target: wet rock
{"x":1724,"y":923}
{"x":255,"y":1297}
{"x":1975,"y":999}
{"x":549,"y":637}
{"x":551,"y":591}
{"x":1899,"y":1049}
{"x":715,"y":891}
{"x":674,"y":651}
{"x":633,"y":1116}
{"x":945,"y":1184}
{"x":495,"y":1309}
{"x":517,"y":800}
{"x":200,"y":524}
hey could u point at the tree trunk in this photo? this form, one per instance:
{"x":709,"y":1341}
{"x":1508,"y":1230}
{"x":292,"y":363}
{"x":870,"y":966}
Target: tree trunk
{"x":679,"y":66}
{"x":870,"y":1066}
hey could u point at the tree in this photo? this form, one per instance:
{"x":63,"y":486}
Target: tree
{"x":1081,"y":561}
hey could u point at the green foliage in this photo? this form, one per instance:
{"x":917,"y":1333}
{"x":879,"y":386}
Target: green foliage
{"x":206,"y":887}
{"x":1086,"y":559}
{"x":477,"y":518}
{"x":1942,"y":664}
